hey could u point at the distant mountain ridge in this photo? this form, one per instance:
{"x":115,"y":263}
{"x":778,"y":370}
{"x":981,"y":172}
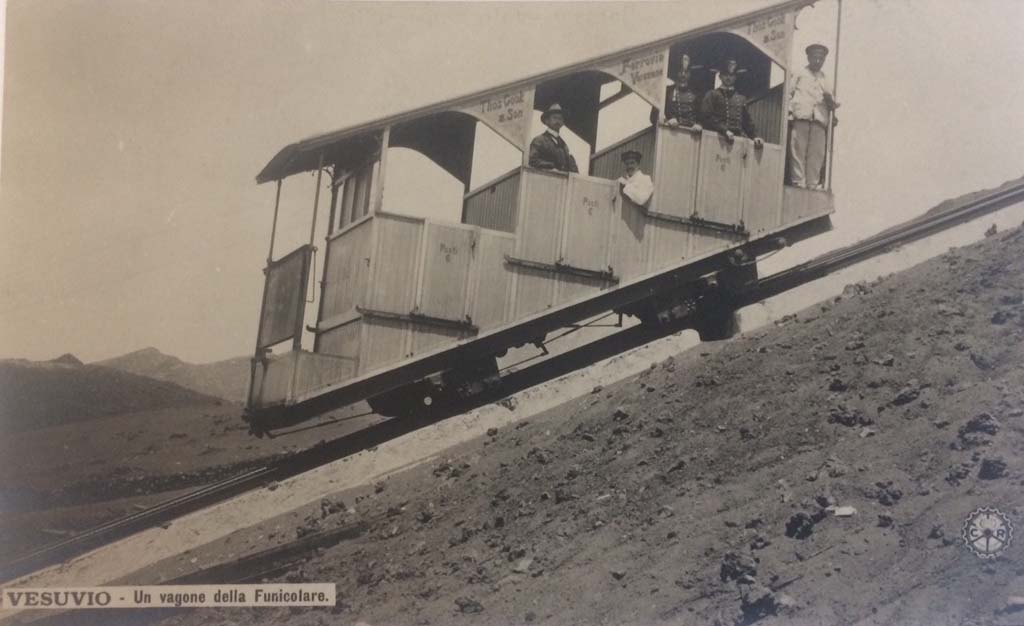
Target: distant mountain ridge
{"x":227,"y":379}
{"x":41,"y":394}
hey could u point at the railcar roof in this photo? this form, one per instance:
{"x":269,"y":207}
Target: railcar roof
{"x":706,"y":15}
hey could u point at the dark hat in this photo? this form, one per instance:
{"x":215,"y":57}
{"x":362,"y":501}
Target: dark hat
{"x":554,"y":108}
{"x":816,"y":46}
{"x":730,"y":66}
{"x":632,"y":154}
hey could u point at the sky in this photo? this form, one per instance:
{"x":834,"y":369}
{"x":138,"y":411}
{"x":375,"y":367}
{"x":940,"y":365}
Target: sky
{"x":133,"y":131}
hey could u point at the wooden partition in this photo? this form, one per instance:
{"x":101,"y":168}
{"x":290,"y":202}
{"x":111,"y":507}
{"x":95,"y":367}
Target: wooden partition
{"x":397,"y":286}
{"x":607,"y":163}
{"x":564,"y":239}
{"x":493,"y":205}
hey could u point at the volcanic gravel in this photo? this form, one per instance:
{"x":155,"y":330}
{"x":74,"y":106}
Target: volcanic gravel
{"x":817,"y":472}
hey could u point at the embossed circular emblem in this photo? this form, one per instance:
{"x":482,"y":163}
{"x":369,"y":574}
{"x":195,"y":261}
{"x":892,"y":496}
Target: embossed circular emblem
{"x":987,"y":532}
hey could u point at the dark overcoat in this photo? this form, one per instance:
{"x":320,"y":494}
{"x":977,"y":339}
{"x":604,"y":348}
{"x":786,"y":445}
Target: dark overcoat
{"x":550,"y":153}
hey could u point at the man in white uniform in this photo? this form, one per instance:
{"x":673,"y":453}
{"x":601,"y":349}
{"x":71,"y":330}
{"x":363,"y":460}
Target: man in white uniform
{"x":810,"y":106}
{"x":635,"y":185}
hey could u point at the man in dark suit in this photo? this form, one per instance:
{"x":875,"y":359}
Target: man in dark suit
{"x":724,"y":110}
{"x":681,"y":102}
{"x":548,"y":151}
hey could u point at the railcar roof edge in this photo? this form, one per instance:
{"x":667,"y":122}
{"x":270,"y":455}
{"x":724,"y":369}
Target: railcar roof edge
{"x":286,"y":162}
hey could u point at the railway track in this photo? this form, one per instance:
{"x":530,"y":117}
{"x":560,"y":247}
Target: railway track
{"x":557,"y":366}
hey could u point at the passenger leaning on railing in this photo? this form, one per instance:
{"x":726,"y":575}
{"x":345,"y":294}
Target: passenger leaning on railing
{"x":635,"y":185}
{"x":682,"y":104}
{"x":724,"y":110}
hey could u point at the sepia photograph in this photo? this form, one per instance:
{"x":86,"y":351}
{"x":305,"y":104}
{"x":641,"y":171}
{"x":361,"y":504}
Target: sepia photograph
{"x":385,"y":312}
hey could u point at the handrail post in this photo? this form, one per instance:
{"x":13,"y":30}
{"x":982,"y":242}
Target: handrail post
{"x":835,"y":94}
{"x":316,"y":196}
{"x":273,"y":227}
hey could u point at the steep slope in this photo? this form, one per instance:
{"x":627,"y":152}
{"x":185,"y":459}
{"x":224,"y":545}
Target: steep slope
{"x":970,"y":197}
{"x":704,"y":491}
{"x":227,"y":379}
{"x":37,"y":395}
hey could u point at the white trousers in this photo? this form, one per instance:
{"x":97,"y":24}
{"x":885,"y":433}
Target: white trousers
{"x":806,"y":152}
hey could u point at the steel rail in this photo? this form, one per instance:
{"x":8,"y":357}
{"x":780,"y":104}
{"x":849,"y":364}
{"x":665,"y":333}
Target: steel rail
{"x":619,"y":342}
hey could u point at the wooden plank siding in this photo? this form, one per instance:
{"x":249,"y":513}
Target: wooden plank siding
{"x":402,"y":265}
{"x":607,"y":162}
{"x":494,"y":205}
{"x":766,"y":113}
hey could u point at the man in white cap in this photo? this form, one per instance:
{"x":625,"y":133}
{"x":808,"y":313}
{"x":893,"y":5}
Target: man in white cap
{"x":811,"y":105}
{"x":548,"y":151}
{"x":635,"y":185}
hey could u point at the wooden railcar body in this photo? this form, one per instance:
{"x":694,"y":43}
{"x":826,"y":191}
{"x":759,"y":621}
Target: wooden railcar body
{"x":403,"y":298}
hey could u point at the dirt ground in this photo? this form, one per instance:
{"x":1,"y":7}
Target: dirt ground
{"x":705,"y":491}
{"x":74,"y":476}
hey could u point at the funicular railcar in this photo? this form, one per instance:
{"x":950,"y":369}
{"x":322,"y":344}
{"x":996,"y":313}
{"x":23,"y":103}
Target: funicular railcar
{"x":411,"y":308}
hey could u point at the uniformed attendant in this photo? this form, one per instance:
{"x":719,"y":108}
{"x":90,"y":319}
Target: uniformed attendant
{"x":548,"y":151}
{"x":681,"y":102}
{"x":811,"y":105}
{"x":724,"y":110}
{"x":635,"y":185}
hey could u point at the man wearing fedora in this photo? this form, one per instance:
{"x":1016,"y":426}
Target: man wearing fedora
{"x":548,"y":151}
{"x":724,"y":110}
{"x":681,"y":102}
{"x":811,"y":105}
{"x":635,"y":185}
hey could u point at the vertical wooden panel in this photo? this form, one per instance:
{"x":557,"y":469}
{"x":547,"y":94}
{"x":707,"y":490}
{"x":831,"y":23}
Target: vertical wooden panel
{"x":802,"y":204}
{"x":273,"y":382}
{"x":394,"y":262}
{"x":315,"y":371}
{"x":540,"y":216}
{"x":574,"y":287}
{"x":348,"y":269}
{"x":675,"y":181}
{"x":343,"y":341}
{"x":720,"y":180}
{"x":631,"y":230}
{"x":794,"y":204}
{"x":446,"y":266}
{"x":383,"y":342}
{"x":703,"y":241}
{"x":541,"y":209}
{"x":425,"y":338}
{"x":589,"y":210}
{"x":535,"y":291}
{"x":762,"y":190}
{"x":493,"y":280}
{"x":670,"y":244}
